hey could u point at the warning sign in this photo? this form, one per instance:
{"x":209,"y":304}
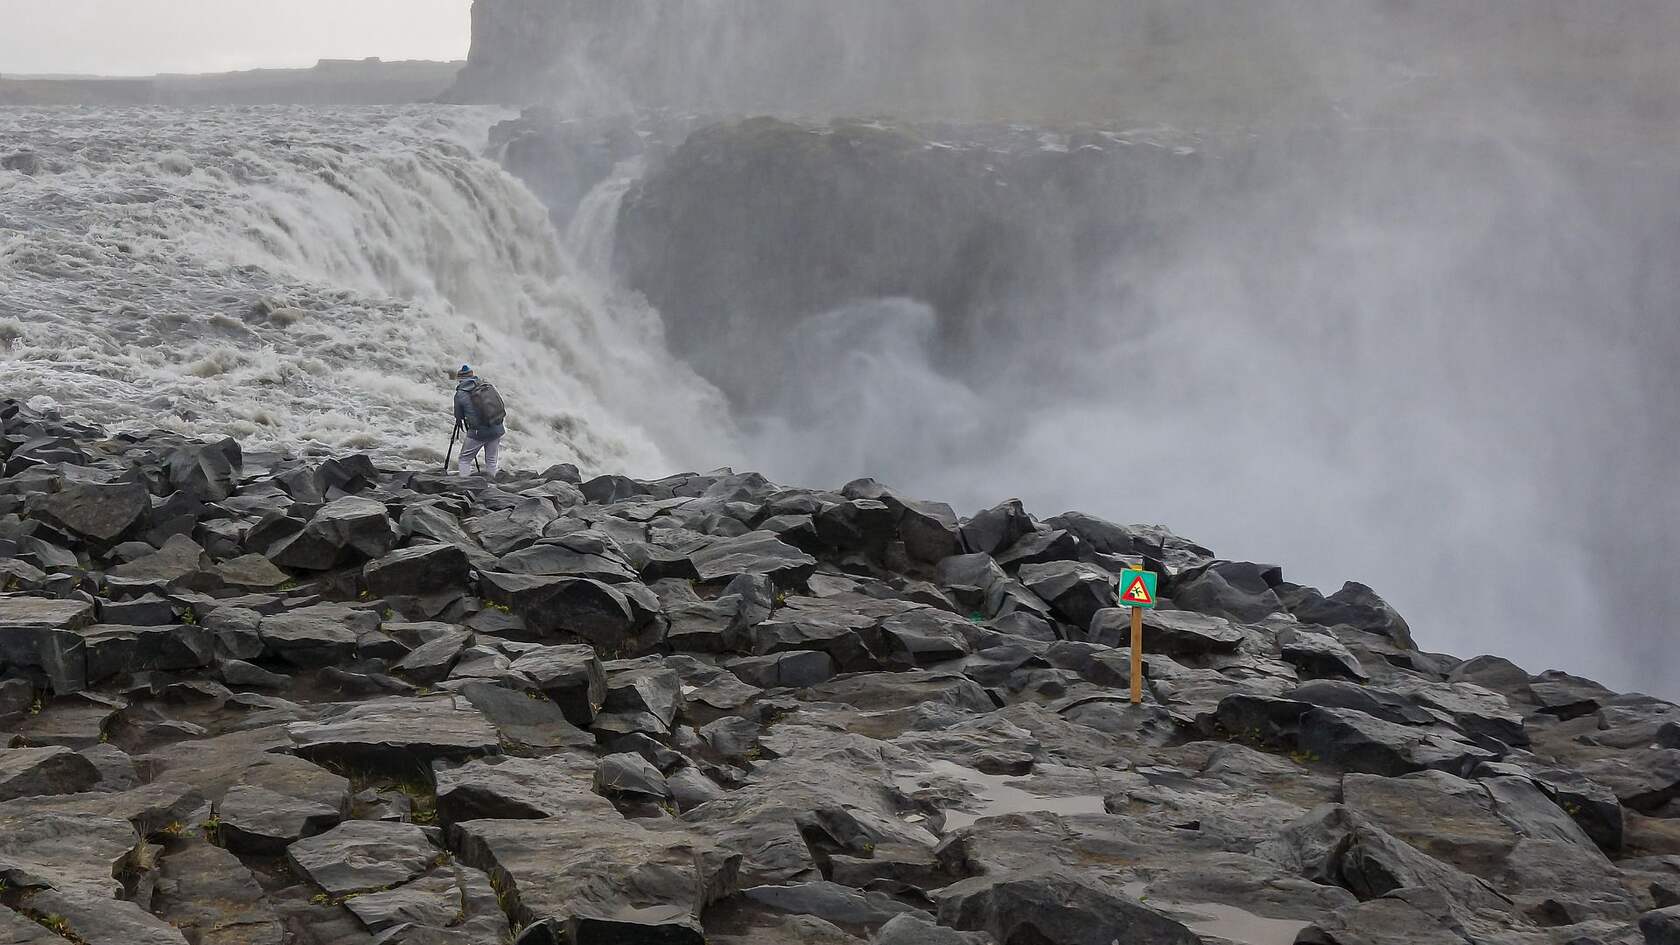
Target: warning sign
{"x":1137,"y":588}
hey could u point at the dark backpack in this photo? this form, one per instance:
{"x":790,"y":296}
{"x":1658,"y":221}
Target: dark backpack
{"x":487,"y":403}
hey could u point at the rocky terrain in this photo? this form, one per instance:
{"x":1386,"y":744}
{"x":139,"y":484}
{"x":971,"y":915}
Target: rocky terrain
{"x":259,"y":698}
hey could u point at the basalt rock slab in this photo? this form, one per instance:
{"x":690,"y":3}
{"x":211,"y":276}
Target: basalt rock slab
{"x":754,"y":553}
{"x":25,"y":772}
{"x":1355,"y":741}
{"x":361,"y":855}
{"x":526,"y":721}
{"x":395,"y":731}
{"x":417,"y":571}
{"x":258,"y":821}
{"x":1055,"y":907}
{"x":606,"y":615}
{"x":519,"y":789}
{"x":572,"y":869}
{"x":96,"y":512}
{"x":213,"y":899}
{"x":37,"y":633}
{"x":572,"y":676}
{"x":97,"y":921}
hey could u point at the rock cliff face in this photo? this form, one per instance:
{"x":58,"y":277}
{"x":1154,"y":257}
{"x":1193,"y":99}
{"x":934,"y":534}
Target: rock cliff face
{"x":326,"y":700}
{"x":1253,"y":63}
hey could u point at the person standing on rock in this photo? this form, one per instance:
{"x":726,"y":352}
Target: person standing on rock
{"x":479,"y":409}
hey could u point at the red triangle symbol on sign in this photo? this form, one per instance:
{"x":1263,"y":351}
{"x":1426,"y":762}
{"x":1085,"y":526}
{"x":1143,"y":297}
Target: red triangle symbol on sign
{"x":1138,"y":593}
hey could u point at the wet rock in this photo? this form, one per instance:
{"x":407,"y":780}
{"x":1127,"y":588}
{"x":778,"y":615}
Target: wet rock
{"x":832,"y":902}
{"x":258,"y":821}
{"x":996,"y":528}
{"x":795,"y":670}
{"x":177,"y":564}
{"x":395,"y":732}
{"x":1661,"y":927}
{"x":922,"y":637}
{"x":630,"y":778}
{"x":1075,"y":591}
{"x":345,"y":529}
{"x":1320,"y":656}
{"x":359,"y":855}
{"x":102,"y":513}
{"x":97,"y":921}
{"x":42,"y":634}
{"x":642,"y":695}
{"x":690,"y":788}
{"x":114,"y":651}
{"x":754,"y":553}
{"x":929,"y":531}
{"x":213,"y":899}
{"x":519,"y":789}
{"x":430,"y":663}
{"x":1355,"y":741}
{"x":148,"y":610}
{"x":250,"y":572}
{"x":561,"y":869}
{"x":1333,"y":845}
{"x":1040,"y":547}
{"x":833,"y":631}
{"x":525,"y":720}
{"x":584,"y":554}
{"x":572,"y":676}
{"x":1566,"y":696}
{"x":1643,"y":780}
{"x":912,"y":929}
{"x":417,"y":571}
{"x":1357,"y":606}
{"x":1055,"y":907}
{"x":30,"y":771}
{"x":1175,"y":633}
{"x":877,"y":691}
{"x":600,"y":613}
{"x":323,"y":635}
{"x":116,"y":767}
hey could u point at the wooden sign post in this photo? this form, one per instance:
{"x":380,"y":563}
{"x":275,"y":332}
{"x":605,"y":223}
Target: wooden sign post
{"x":1137,"y":591}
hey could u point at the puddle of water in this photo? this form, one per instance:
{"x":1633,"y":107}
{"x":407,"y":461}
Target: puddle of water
{"x":995,"y":794}
{"x":1222,"y":921}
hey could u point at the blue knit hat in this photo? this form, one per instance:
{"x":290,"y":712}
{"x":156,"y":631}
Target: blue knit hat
{"x":465,"y":371}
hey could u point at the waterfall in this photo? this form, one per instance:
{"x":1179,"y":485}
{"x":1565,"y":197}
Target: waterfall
{"x":295,"y":277}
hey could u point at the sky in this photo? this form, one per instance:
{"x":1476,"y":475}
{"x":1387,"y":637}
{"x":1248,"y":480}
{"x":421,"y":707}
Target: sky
{"x":142,"y":37}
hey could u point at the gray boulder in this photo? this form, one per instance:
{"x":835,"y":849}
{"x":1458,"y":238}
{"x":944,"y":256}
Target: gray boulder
{"x":258,"y":821}
{"x":42,"y":634}
{"x":1055,"y":907}
{"x":600,"y":613}
{"x":561,"y":870}
{"x":524,"y":721}
{"x":102,"y":513}
{"x":1355,"y":741}
{"x":572,"y":676}
{"x":1075,"y":591}
{"x":519,"y":789}
{"x":753,"y":553}
{"x":418,"y":571}
{"x":1357,"y":606}
{"x":395,"y":732}
{"x":360,"y":855}
{"x":25,"y":772}
{"x":346,"y":529}
{"x":1661,"y":927}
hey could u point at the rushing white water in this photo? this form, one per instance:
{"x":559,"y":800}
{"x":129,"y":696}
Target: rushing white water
{"x":298,"y":276}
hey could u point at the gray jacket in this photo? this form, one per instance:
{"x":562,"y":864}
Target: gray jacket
{"x":467,"y":415}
